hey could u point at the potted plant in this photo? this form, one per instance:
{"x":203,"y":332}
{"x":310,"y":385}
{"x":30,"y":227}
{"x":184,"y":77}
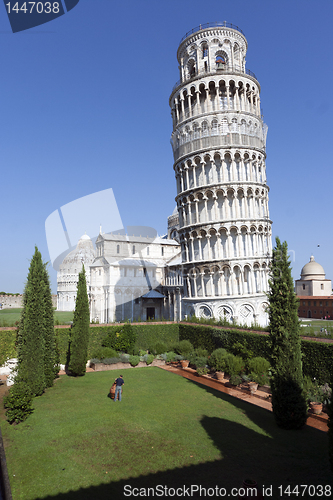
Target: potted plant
{"x":253,"y":386}
{"x":315,"y":397}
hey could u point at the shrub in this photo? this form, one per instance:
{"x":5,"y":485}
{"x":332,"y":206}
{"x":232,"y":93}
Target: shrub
{"x":258,"y":365}
{"x":149,"y":358}
{"x":110,"y":361}
{"x":202,"y":370}
{"x":94,"y":361}
{"x":240,"y":349}
{"x":184,"y":348}
{"x":200,"y":352}
{"x":134,"y":360}
{"x":170,"y":356}
{"x":18,"y":403}
{"x":234,"y":364}
{"x":124,"y":358}
{"x":104,"y":352}
{"x":235,"y":379}
{"x":160,"y":347}
{"x":125,"y":339}
{"x":200,"y":361}
{"x":217,"y":359}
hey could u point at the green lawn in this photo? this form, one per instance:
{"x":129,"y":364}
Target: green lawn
{"x":9,"y":316}
{"x":78,"y":444}
{"x":313,"y":326}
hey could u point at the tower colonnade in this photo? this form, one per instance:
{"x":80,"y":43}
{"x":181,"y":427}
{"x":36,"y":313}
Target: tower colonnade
{"x":219,"y":147}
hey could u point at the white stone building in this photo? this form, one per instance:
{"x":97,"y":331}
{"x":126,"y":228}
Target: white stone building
{"x":313,"y":282}
{"x":218,"y":142}
{"x":68,"y":274}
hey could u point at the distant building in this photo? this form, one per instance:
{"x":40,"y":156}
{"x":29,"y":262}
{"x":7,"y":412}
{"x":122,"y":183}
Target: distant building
{"x":314,"y":292}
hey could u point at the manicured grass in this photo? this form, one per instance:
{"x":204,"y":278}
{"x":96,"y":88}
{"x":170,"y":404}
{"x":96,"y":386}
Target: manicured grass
{"x":9,"y":316}
{"x":78,"y":444}
{"x":312,"y":328}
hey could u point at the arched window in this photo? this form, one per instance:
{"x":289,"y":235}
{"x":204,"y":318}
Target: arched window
{"x":133,"y":249}
{"x":118,"y":248}
{"x":220,"y":62}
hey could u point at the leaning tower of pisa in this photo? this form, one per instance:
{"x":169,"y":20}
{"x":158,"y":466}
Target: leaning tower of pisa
{"x":218,"y":143}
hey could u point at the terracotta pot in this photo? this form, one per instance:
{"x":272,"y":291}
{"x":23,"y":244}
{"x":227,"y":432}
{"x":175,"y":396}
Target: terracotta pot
{"x":248,"y":486}
{"x":317,"y":408}
{"x":113,"y":390}
{"x":220,"y":375}
{"x":184,"y":363}
{"x":253,"y":387}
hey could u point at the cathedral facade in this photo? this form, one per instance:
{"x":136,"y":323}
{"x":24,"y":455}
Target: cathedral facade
{"x":214,"y":260}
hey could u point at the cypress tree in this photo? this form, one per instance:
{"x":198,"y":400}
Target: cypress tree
{"x":288,"y":399}
{"x":50,"y":368}
{"x":79,"y":338}
{"x":31,"y":341}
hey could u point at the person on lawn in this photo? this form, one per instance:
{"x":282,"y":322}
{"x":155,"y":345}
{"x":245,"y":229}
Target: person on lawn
{"x":119,"y":383}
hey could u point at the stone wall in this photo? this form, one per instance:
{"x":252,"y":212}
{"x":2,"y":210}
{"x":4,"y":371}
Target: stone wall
{"x":16,"y":301}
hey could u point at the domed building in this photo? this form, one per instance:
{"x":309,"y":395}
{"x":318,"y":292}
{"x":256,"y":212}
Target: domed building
{"x":314,"y":292}
{"x":68,"y":274}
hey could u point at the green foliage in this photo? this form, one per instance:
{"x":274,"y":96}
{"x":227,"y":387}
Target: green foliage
{"x":217,"y":360}
{"x":184,"y":348}
{"x":289,"y":404}
{"x":148,"y":358}
{"x":147,"y":334}
{"x":18,"y":403}
{"x":121,"y":338}
{"x":258,"y":365}
{"x":125,"y":339}
{"x":134,"y":360}
{"x":288,"y":400}
{"x":170,"y":356}
{"x":32,"y":332}
{"x":110,"y":361}
{"x":199,"y":336}
{"x":159,"y":348}
{"x":235,"y":379}
{"x":79,"y":336}
{"x":234,"y":365}
{"x":51,"y":356}
{"x":240,"y":349}
{"x":202,"y":370}
{"x":317,"y":360}
{"x":104,"y":352}
{"x":7,"y":345}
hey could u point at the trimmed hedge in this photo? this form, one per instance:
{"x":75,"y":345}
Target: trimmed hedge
{"x":211,"y":338}
{"x":317,"y":356}
{"x":317,"y":360}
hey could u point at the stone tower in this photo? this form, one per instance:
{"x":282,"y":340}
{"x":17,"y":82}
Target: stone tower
{"x":218,"y":143}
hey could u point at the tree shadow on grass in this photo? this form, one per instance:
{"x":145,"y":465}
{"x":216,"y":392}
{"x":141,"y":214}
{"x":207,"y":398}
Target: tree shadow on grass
{"x":264,"y":452}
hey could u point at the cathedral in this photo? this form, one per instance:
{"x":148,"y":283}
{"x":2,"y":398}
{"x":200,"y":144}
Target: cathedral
{"x":213,"y":262}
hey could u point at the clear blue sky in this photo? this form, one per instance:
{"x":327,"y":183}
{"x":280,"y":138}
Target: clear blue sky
{"x":84,"y":107}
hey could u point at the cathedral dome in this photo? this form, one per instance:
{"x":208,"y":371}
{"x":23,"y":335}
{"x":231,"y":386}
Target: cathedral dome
{"x":312,"y":271}
{"x":84,"y":253}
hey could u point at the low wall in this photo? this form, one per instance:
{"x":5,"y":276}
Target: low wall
{"x":16,"y":301}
